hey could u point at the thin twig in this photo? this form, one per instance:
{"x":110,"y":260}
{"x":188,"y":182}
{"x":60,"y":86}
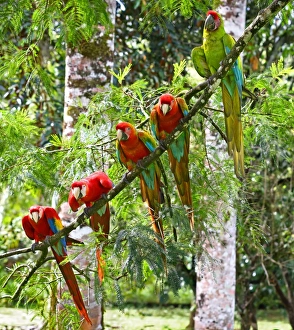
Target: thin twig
{"x":214,"y":124}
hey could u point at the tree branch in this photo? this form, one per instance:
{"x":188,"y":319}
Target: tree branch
{"x":15,"y":252}
{"x":208,"y":88}
{"x":286,"y":302}
{"x":222,"y":134}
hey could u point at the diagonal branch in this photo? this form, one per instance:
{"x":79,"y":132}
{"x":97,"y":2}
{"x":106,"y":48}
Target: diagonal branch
{"x":203,"y":114}
{"x":209,"y":87}
{"x":42,"y":259}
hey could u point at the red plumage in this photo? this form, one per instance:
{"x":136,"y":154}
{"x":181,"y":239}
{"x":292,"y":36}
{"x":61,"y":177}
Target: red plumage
{"x":87,"y":191}
{"x":132,"y":146}
{"x":165,"y":117}
{"x":43,"y":221}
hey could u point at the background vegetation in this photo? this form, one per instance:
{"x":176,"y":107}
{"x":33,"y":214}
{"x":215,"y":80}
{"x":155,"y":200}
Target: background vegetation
{"x":37,"y":165}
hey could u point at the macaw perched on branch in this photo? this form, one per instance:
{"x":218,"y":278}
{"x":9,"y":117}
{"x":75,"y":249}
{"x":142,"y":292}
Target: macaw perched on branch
{"x":132,"y":146}
{"x":87,"y":191}
{"x":164,"y":117}
{"x":207,"y":59}
{"x":41,"y":222}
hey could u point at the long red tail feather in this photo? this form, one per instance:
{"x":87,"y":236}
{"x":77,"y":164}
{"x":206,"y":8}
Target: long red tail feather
{"x":72,"y":285}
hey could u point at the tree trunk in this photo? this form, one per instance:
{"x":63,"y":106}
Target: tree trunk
{"x":291,"y":317}
{"x":248,"y":317}
{"x":286,"y":298}
{"x":216,"y":280}
{"x":86,"y":74}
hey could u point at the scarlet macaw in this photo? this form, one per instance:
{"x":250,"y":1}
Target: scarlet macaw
{"x":207,"y":59}
{"x":132,"y":146}
{"x":41,"y":222}
{"x":165,"y":116}
{"x":87,"y":191}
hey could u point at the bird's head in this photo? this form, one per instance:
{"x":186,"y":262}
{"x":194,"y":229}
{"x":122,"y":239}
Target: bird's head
{"x":213,"y":21}
{"x":124,"y":131}
{"x":36,"y":213}
{"x":166,"y":102}
{"x":78,"y":189}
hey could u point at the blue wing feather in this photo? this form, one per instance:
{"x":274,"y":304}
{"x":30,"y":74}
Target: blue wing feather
{"x":177,"y":147}
{"x":237,"y":70}
{"x":55,"y":227}
{"x":148,"y":140}
{"x":118,"y":152}
{"x":149,"y":145}
{"x":153,"y":128}
{"x":149,"y":175}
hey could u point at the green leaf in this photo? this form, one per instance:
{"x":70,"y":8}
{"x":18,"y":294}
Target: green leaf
{"x":120,"y":76}
{"x":178,"y":69}
{"x":278,"y":70}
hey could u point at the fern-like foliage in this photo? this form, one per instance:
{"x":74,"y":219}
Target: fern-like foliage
{"x":81,"y":18}
{"x":272,"y":124}
{"x":72,"y":22}
{"x":158,"y":12}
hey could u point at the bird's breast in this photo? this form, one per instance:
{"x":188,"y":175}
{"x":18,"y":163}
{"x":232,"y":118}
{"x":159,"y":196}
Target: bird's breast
{"x":134,"y":151}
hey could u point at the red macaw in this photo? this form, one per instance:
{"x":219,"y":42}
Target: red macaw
{"x":164,"y":117}
{"x":207,"y":59}
{"x":132,"y":146}
{"x":41,"y":222}
{"x":87,"y":191}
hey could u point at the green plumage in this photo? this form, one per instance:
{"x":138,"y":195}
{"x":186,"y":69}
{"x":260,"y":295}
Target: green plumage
{"x":207,"y":59}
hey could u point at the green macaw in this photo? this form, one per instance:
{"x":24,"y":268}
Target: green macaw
{"x":207,"y":59}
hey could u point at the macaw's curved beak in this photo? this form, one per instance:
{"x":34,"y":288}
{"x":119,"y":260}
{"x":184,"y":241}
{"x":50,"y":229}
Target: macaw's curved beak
{"x":209,"y":23}
{"x":165,"y":108}
{"x":121,"y":135}
{"x":76,"y":191}
{"x":35,"y":216}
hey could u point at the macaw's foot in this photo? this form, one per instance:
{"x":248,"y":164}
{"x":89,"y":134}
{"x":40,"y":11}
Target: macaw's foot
{"x":103,"y":196}
{"x":86,"y":211}
{"x":47,"y":240}
{"x":139,"y":164}
{"x":211,"y":80}
{"x":181,"y":121}
{"x":33,"y":248}
{"x":124,"y":178}
{"x":162,"y":144}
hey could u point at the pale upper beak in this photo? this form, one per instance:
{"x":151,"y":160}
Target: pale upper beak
{"x":76,"y":191}
{"x":121,"y":135}
{"x":209,"y":23}
{"x":35,"y":216}
{"x":165,"y":108}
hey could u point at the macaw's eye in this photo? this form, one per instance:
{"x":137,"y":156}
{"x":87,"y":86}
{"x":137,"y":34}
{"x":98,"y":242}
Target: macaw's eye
{"x":83,"y":190}
{"x":128,"y":129}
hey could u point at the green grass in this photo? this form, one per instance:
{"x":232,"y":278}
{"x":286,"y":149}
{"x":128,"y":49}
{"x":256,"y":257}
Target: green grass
{"x":162,"y":318}
{"x":271,"y":320}
{"x":17,"y":317}
{"x":156,"y":318}
{"x":147,"y":318}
